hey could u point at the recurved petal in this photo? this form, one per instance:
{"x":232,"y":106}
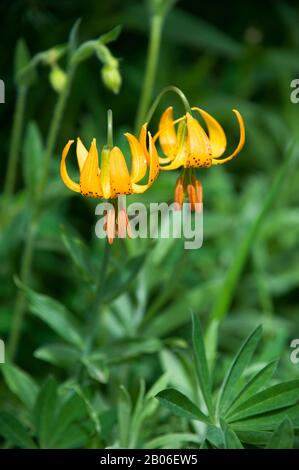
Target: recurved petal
{"x":90,"y":183}
{"x":139,"y":163}
{"x":200,"y":153}
{"x":153,"y":170}
{"x":182,"y":150}
{"x":82,"y":153}
{"x":167,"y":133}
{"x":142,"y":140}
{"x":240,"y":144}
{"x":119,"y":173}
{"x":216,"y":133}
{"x":63,"y":171}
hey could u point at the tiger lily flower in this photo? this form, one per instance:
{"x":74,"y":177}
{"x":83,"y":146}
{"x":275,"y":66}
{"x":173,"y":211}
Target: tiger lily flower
{"x":112,"y":178}
{"x":191,"y":147}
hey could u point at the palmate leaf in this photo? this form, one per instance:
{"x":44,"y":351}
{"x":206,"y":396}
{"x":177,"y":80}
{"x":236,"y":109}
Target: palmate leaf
{"x":201,"y":364}
{"x":242,"y":359}
{"x":267,"y":421}
{"x":283,"y":436}
{"x":180,"y":405}
{"x":253,"y":386}
{"x":273,"y":398}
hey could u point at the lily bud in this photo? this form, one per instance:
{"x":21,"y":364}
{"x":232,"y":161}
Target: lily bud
{"x":57,"y":78}
{"x":111,"y":77}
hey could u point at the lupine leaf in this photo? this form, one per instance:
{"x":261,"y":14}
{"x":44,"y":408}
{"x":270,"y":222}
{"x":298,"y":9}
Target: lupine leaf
{"x":273,"y":398}
{"x":253,"y":386}
{"x":242,"y":359}
{"x":201,"y":365}
{"x":180,"y":405}
{"x":283,"y":436}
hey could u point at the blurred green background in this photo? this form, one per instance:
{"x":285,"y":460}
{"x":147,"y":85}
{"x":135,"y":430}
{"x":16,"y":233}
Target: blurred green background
{"x":223,"y":55}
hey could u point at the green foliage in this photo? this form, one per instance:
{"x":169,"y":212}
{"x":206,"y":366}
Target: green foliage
{"x":104,"y":359}
{"x":267,"y":402}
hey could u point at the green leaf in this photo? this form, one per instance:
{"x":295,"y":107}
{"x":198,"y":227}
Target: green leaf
{"x":273,"y":398}
{"x":180,"y":405}
{"x":258,"y":438}
{"x":74,"y":36}
{"x":79,"y":254}
{"x":45,"y":413}
{"x":58,"y":354}
{"x":242,"y":359}
{"x":253,"y":386}
{"x":124,"y":416}
{"x":201,"y":365}
{"x":22,"y":61}
{"x":267,"y":421}
{"x":33,"y":158}
{"x":14,"y":432}
{"x":56,"y":316}
{"x":283,"y":436}
{"x":172,"y":441}
{"x":111,"y":35}
{"x":70,"y":413}
{"x":231,"y":440}
{"x":118,"y":282}
{"x":20,"y":383}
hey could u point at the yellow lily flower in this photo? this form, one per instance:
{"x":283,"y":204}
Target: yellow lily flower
{"x":191,"y":147}
{"x":112,"y":178}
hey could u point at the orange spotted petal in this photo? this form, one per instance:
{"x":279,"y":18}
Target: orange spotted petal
{"x":199,"y":146}
{"x":63,"y":171}
{"x":167,"y":133}
{"x":90,"y":182}
{"x":119,"y":174}
{"x":153,"y":170}
{"x":139,"y":164}
{"x":240,"y":144}
{"x":216,"y":133}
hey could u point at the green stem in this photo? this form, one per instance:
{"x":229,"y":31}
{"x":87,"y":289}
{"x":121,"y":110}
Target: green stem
{"x":168,"y":89}
{"x":55,"y":125}
{"x":20,"y":305}
{"x":109,"y":128}
{"x":28,"y":253}
{"x":232,"y":277}
{"x":151,"y":68}
{"x":94,"y":313}
{"x":15,"y":142}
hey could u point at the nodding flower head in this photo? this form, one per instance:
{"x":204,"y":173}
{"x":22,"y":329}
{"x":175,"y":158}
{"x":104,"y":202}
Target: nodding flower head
{"x":112,"y":177}
{"x":188,"y":146}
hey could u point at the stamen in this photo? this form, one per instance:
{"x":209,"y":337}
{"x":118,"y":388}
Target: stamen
{"x":111,"y":225}
{"x":191,"y":196}
{"x":122,"y":223}
{"x":179,"y":194}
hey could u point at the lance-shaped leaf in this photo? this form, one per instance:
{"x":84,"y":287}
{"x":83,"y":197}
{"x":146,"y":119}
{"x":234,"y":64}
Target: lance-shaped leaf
{"x":20,"y":383}
{"x":273,"y":398}
{"x":14,"y":432}
{"x":253,"y":386}
{"x":283,"y":436}
{"x":181,"y":406}
{"x":228,"y":390}
{"x":201,"y":364}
